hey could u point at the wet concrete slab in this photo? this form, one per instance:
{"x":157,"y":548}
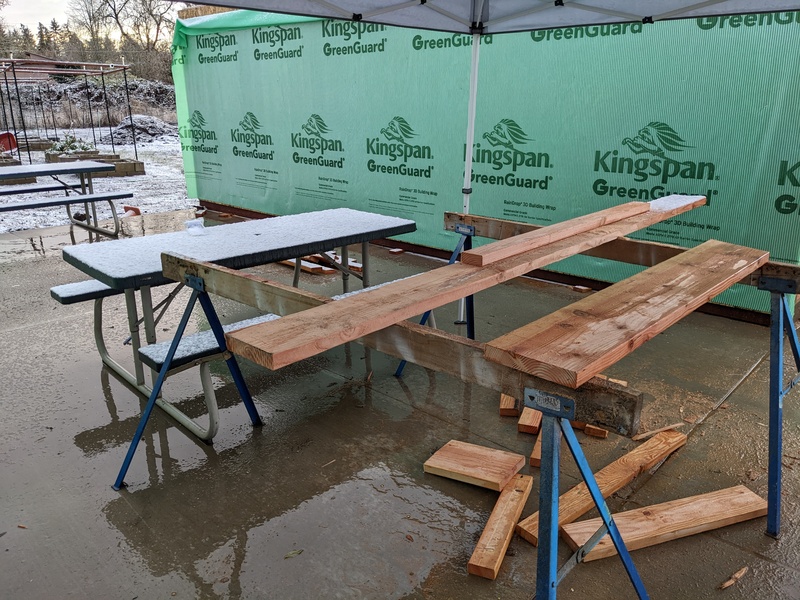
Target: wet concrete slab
{"x":329,"y":499}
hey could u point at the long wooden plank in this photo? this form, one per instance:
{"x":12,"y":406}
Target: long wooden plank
{"x":572,"y":345}
{"x":490,"y":253}
{"x":626,"y":250}
{"x":667,"y":521}
{"x":286,"y":341}
{"x":578,"y":501}
{"x":493,"y":543}
{"x":478,"y":465}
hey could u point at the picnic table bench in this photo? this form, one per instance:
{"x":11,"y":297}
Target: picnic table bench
{"x":83,"y":191}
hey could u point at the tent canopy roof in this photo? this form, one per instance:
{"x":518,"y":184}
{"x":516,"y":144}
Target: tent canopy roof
{"x":504,"y":16}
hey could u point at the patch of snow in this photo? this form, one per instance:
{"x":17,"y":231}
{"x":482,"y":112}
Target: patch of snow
{"x":162,"y":188}
{"x":672,"y":202}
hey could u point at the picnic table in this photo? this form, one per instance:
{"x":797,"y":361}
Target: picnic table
{"x":134,"y":264}
{"x":83,"y":191}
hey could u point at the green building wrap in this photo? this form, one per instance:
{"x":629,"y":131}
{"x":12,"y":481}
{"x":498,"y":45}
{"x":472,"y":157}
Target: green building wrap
{"x":285,"y":114}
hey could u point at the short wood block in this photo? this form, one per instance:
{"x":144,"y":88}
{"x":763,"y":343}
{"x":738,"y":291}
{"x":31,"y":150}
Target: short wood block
{"x":530,"y":421}
{"x":491,"y":549}
{"x":508,"y":406}
{"x":577,"y":501}
{"x":478,"y":465}
{"x":670,"y":520}
{"x":595,"y":431}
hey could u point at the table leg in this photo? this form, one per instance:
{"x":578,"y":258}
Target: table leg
{"x":149,"y":322}
{"x":365,"y":264}
{"x":133,"y":326}
{"x":345,"y":274}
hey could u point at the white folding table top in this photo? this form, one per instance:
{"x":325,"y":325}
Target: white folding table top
{"x":135,"y":262}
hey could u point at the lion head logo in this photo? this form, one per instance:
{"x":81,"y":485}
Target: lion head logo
{"x":197,"y":120}
{"x":315,"y":126}
{"x":506,"y":133}
{"x":656,"y":139}
{"x":398,"y":129}
{"x":250,"y":123}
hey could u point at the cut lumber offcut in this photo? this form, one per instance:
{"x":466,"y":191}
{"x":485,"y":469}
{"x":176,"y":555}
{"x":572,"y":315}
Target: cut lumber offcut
{"x":508,"y":406}
{"x":578,"y":425}
{"x":478,"y":465}
{"x":536,"y":454}
{"x":495,"y":251}
{"x":308,"y":267}
{"x":611,"y":478}
{"x":303,"y":335}
{"x":493,"y":543}
{"x":647,"y":434}
{"x":595,"y":431}
{"x":575,"y":343}
{"x":734,"y":578}
{"x":529,"y":421}
{"x":668,"y":521}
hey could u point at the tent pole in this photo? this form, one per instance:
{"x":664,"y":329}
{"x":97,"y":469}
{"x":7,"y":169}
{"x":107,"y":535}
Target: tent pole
{"x":467,"y":189}
{"x":473,"y":93}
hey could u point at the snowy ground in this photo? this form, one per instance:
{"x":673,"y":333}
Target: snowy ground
{"x":163,"y":188}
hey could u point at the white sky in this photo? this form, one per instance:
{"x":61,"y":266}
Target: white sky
{"x":31,"y":12}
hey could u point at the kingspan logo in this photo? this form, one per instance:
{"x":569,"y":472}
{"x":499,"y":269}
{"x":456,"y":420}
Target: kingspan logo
{"x":507,"y":141}
{"x":398,"y":149}
{"x":661,"y":146}
{"x":216,"y":43}
{"x":196,"y":135}
{"x":248,"y":134}
{"x":316,"y":140}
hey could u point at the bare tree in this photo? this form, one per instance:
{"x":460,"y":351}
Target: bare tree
{"x":90,"y":18}
{"x":147,"y":23}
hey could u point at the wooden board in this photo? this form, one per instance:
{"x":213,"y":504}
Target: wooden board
{"x":529,"y":421}
{"x":299,"y":336}
{"x":595,"y":431}
{"x":660,"y":523}
{"x":577,"y":501}
{"x":478,"y":465}
{"x":535,"y":459}
{"x":601,"y":400}
{"x":635,"y":252}
{"x":493,"y":543}
{"x":490,"y":253}
{"x":572,"y":345}
{"x":508,"y":406}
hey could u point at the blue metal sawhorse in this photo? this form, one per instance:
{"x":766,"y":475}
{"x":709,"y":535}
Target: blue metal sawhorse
{"x":557,"y":412}
{"x":198,"y":293}
{"x":464,"y":243}
{"x":781,"y":327}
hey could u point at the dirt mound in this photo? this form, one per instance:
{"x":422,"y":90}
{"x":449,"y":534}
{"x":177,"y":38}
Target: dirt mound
{"x":147,"y":130}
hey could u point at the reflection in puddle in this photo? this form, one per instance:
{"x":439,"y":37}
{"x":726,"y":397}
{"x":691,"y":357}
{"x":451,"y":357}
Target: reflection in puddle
{"x":379,"y":531}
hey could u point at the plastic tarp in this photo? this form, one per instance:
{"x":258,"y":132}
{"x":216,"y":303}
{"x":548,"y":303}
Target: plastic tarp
{"x":281,"y":114}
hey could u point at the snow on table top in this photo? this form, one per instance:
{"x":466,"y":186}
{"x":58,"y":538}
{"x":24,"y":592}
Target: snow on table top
{"x":135,"y":262}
